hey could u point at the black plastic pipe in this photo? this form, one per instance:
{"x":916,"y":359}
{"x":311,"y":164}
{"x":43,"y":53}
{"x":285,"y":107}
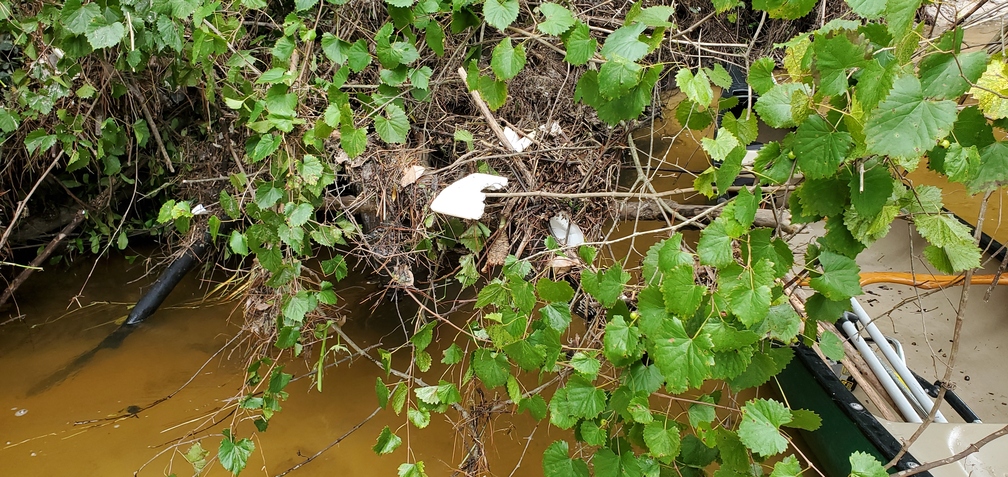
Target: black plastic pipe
{"x":165,"y":283}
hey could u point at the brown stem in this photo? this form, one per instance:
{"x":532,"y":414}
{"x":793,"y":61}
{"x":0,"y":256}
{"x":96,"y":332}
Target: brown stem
{"x":950,"y":366}
{"x":77,"y":220}
{"x":23,"y":203}
{"x":153,"y":127}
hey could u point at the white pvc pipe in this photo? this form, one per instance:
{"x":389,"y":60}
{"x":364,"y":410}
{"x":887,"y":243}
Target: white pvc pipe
{"x":901,"y":368}
{"x":902,"y":403}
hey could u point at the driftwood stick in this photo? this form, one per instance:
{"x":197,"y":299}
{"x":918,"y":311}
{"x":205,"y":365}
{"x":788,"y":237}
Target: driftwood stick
{"x":46,"y":252}
{"x":153,"y":127}
{"x":491,"y":120}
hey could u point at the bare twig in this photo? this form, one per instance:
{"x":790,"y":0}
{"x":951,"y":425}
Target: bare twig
{"x":153,"y":127}
{"x":23,"y":203}
{"x":491,"y":120}
{"x":956,"y":334}
{"x":970,"y":449}
{"x":331,"y":444}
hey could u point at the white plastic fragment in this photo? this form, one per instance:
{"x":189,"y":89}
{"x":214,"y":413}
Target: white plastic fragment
{"x":464,"y":198}
{"x":411,"y":174}
{"x":199,"y":210}
{"x":518,"y":143}
{"x":554,"y":129}
{"x":565,"y":232}
{"x":20,"y":412}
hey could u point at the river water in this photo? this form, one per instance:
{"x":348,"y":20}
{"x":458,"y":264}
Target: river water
{"x":65,"y":428}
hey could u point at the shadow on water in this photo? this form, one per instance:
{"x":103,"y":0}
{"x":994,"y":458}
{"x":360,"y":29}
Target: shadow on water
{"x":112,"y":341}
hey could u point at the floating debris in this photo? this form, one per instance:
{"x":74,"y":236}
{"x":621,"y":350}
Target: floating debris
{"x":464,"y":198}
{"x":20,"y":412}
{"x":565,"y":232}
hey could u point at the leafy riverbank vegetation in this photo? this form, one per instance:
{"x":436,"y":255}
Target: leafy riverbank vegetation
{"x":326,"y":127}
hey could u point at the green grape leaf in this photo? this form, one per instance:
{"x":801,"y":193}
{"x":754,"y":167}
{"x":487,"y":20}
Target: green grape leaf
{"x":434,"y":37}
{"x":907,"y":125}
{"x":786,"y":9}
{"x":723,"y":144}
{"x":942,"y":229}
{"x":840,"y":279}
{"x":787,"y":467}
{"x":233,"y":454}
{"x":662,"y":439}
{"x":558,"y":463}
{"x":948,"y":76}
{"x":831,"y":346}
{"x":493,"y":92}
{"x":619,"y":342}
{"x":820,"y":148}
{"x":682,"y":295}
{"x":102,"y":34}
{"x":992,"y":89}
{"x":507,"y":61}
{"x":784,"y":322}
{"x":77,"y":17}
{"x":804,"y":419}
{"x":584,"y":399}
{"x":834,"y":57}
{"x":394,"y":126}
{"x":592,"y":434}
{"x":745,"y":128}
{"x":500,"y":14}
{"x":605,"y":286}
{"x":387,"y":442}
{"x":407,"y":469}
{"x":535,"y":405}
{"x":490,"y":367}
{"x":644,"y":379}
{"x":760,"y":427}
{"x":864,"y":464}
{"x":960,"y":163}
{"x":617,"y":77}
{"x":953,"y":258}
{"x":869,"y":9}
{"x":556,"y":315}
{"x":764,"y":366}
{"x":870,"y":192}
{"x":558,"y":19}
{"x":761,"y":76}
{"x":353,"y":140}
{"x":715,"y":246}
{"x":684,"y":361}
{"x":358,"y":56}
{"x":697,"y":87}
{"x":552,"y":291}
{"x":526,"y":355}
{"x":656,"y":16}
{"x":452,"y":355}
{"x":774,"y":107}
{"x":580,"y":45}
{"x":820,"y":308}
{"x":625,"y":43}
{"x":901,"y":14}
{"x":993,"y":170}
{"x":334,"y":48}
{"x":586,"y":365}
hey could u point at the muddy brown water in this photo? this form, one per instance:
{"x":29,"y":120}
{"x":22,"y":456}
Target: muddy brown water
{"x":61,"y":429}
